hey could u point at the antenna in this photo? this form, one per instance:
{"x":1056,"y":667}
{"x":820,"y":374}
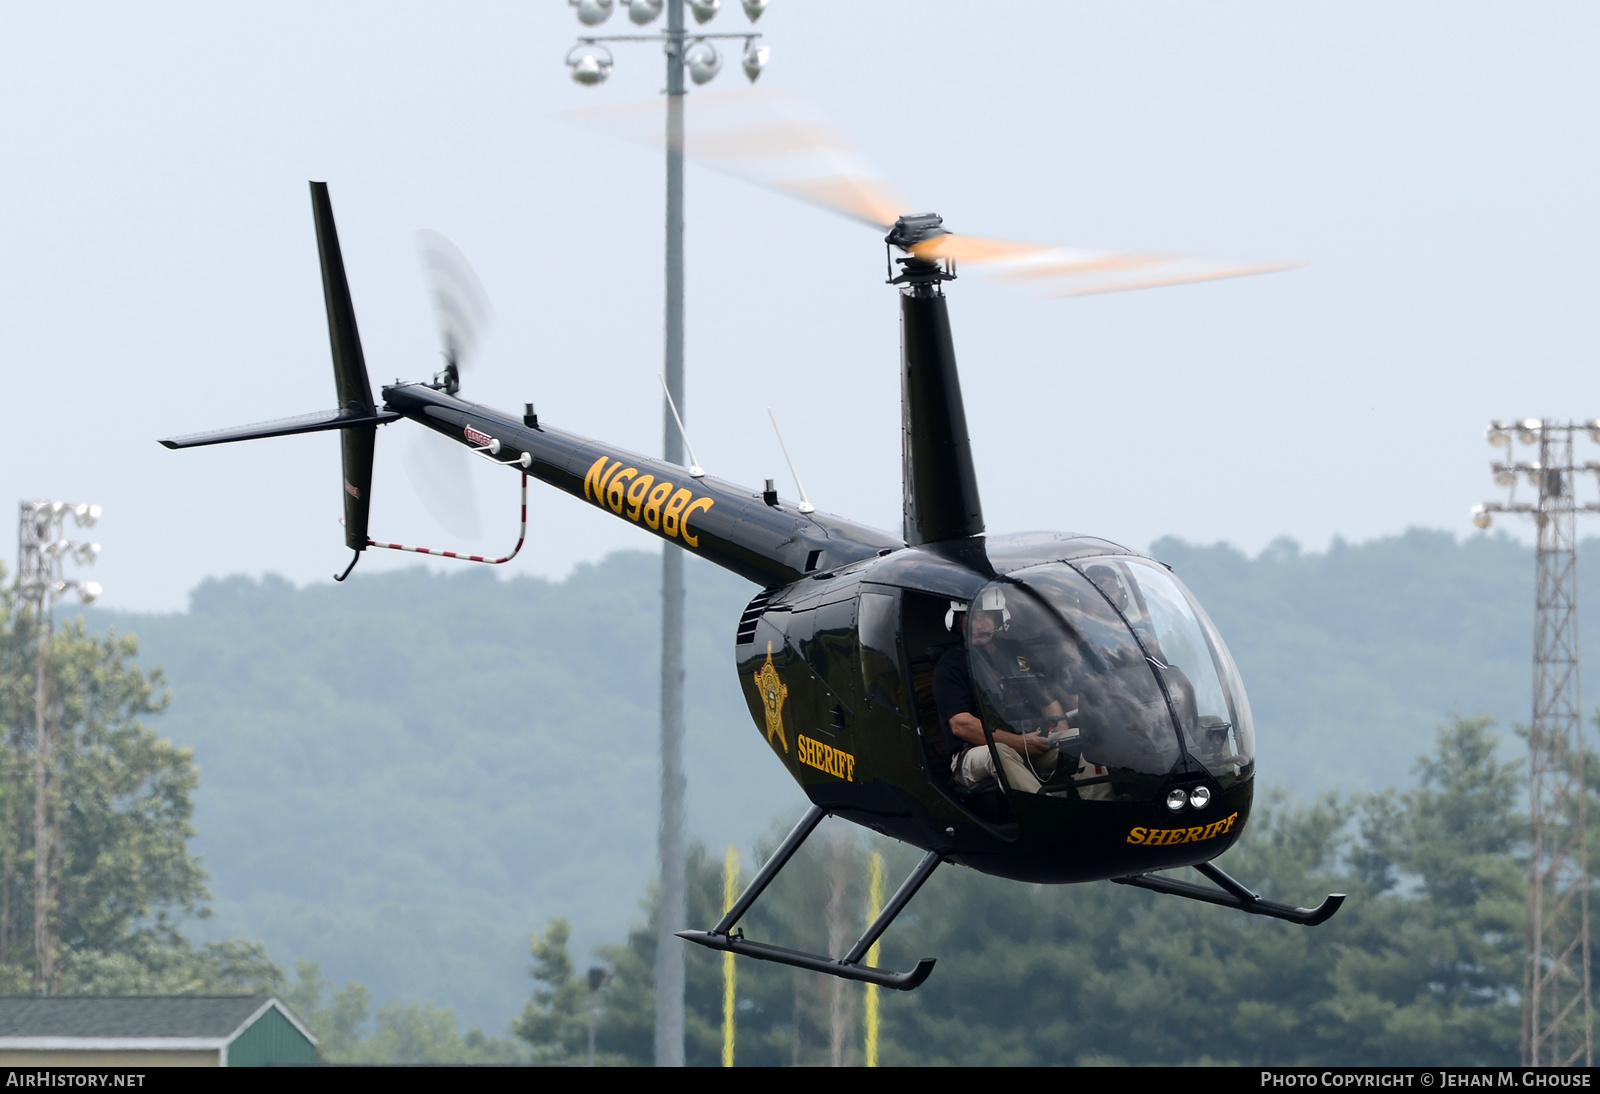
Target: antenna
{"x":695,"y":470}
{"x":805,"y":502}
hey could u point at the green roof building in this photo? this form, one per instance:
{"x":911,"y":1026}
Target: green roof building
{"x":151,"y":1031}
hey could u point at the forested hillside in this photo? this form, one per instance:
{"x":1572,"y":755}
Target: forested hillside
{"x":403,"y":776}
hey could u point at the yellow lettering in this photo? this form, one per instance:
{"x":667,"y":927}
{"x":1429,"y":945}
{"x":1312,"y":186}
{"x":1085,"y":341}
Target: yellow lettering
{"x":827,"y":759}
{"x":614,"y":490}
{"x":652,"y":505}
{"x":636,"y":492}
{"x":683,"y":525}
{"x":1160,"y":837}
{"x":592,"y":479}
{"x":670,"y":514}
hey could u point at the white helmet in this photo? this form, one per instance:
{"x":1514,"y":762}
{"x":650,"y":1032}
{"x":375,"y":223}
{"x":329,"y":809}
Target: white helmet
{"x":950,"y":616}
{"x":993,"y":599}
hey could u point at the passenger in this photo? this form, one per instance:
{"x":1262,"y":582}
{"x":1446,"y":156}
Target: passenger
{"x":973,"y":763}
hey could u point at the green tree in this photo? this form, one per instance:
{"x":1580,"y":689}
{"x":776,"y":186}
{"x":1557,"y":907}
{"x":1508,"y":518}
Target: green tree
{"x":555,"y":1022}
{"x":123,"y":802}
{"x":401,"y":1033}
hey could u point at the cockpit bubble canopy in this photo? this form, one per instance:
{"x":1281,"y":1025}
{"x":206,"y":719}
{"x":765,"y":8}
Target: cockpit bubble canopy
{"x":1120,"y":666}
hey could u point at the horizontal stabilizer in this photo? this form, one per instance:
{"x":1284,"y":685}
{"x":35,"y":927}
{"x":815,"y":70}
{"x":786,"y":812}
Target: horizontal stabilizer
{"x":283,"y":427}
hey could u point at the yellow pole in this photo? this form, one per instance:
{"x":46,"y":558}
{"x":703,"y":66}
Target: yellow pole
{"x":875,"y":900}
{"x":730,"y":893}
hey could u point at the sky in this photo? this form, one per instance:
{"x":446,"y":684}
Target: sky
{"x":1431,"y":165}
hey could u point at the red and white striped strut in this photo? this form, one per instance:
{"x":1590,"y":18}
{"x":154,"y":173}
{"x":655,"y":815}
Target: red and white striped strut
{"x":522,"y":535}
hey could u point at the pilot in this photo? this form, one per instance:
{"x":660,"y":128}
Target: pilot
{"x":1024,"y":757}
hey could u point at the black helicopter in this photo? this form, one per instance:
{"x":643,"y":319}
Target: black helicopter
{"x":1098,"y":648}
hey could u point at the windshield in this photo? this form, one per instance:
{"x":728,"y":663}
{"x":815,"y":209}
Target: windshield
{"x":1062,"y":663}
{"x":1109,"y":664}
{"x":1188,"y":654}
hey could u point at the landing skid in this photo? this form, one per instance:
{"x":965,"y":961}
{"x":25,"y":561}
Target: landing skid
{"x":849,"y":967}
{"x":1232,"y":894}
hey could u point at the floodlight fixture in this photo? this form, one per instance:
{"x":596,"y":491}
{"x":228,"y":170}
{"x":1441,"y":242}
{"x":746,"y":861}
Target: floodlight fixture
{"x":704,"y":10}
{"x":591,"y":13}
{"x":1594,"y":430}
{"x":643,"y":12}
{"x":755,"y":59}
{"x":89,"y":591}
{"x":1528,"y":430}
{"x":590,"y":63}
{"x":1504,"y":474}
{"x":1497,"y":435}
{"x":703,"y":60}
{"x":754,"y":8}
{"x":1481,"y":517}
{"x":85,"y":553}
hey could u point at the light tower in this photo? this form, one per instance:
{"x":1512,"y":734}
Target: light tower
{"x":1555,"y":998}
{"x":42,"y":553}
{"x":591,"y":62}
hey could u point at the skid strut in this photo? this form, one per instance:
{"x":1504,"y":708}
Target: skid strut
{"x":1233,"y":894}
{"x":849,"y":967}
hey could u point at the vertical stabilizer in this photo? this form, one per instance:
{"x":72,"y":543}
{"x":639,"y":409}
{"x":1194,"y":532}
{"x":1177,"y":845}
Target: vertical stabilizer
{"x":349,"y":374}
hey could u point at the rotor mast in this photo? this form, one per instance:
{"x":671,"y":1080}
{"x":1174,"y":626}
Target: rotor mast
{"x":939,"y":481}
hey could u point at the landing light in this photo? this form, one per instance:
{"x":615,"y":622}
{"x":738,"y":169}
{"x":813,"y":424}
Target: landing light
{"x":1200,"y":797}
{"x":1177,"y":799}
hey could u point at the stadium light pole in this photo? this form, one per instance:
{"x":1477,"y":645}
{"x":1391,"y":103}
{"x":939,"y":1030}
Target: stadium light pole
{"x":1556,"y":1017}
{"x":590,"y":61}
{"x":42,"y":554}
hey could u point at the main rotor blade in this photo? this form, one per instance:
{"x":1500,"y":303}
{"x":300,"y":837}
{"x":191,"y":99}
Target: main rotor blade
{"x":777,"y":141}
{"x":769,"y":138}
{"x":1078,"y":272}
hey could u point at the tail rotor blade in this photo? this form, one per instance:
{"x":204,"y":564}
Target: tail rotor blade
{"x":460,"y":303}
{"x":441,"y":473}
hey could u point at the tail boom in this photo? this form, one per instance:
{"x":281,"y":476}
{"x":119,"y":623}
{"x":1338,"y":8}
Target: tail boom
{"x":723,"y":522}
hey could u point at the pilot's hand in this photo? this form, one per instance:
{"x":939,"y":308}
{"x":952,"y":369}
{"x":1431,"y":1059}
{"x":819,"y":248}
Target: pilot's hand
{"x":1036,"y":743}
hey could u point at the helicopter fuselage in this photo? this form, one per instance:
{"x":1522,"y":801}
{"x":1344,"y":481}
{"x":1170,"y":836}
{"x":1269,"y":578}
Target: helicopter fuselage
{"x":844,"y":627}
